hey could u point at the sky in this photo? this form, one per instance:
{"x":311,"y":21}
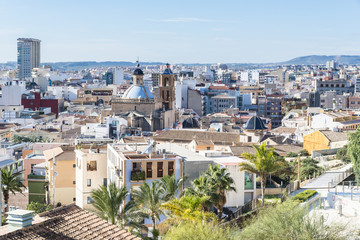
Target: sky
{"x":182,"y":31}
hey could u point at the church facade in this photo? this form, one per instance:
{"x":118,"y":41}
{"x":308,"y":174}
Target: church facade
{"x":142,"y":109}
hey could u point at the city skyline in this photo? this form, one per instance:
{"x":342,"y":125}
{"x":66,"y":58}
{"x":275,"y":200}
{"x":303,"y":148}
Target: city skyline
{"x":183,"y":32}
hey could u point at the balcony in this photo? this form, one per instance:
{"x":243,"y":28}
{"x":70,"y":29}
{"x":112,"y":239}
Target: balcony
{"x":137,"y":175}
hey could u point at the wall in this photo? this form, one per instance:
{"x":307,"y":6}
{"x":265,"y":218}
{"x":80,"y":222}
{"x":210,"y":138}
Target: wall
{"x":37,"y":191}
{"x":315,"y":141}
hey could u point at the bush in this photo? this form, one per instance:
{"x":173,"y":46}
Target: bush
{"x":304,"y":152}
{"x":291,"y":154}
{"x":288,"y":221}
{"x":342,"y":155}
{"x":304,"y":196}
{"x":137,"y":175}
{"x":199,"y":231}
{"x":38,"y":207}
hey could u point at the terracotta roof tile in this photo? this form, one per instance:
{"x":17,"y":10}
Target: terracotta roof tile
{"x":71,"y":222}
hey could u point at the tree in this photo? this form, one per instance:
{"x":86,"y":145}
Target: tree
{"x":201,"y":231}
{"x":38,"y":207}
{"x":11,"y":182}
{"x":263,"y":163}
{"x":304,"y":153}
{"x":289,"y":221}
{"x":342,"y":154}
{"x":188,"y":208}
{"x":353,"y":150}
{"x":148,"y":199}
{"x":222,"y":182}
{"x":108,"y":201}
{"x":202,"y":187}
{"x":170,"y":186}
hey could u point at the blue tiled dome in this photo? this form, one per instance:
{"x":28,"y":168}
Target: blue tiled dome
{"x":138,"y":71}
{"x":168,"y":71}
{"x":255,"y":123}
{"x":136,"y":92}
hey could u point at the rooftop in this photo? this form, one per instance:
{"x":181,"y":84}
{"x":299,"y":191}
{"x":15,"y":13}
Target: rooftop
{"x":70,"y":222}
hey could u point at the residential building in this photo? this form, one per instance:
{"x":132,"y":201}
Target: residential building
{"x":91,"y":173}
{"x":129,"y":168}
{"x":222,"y":102}
{"x":274,"y":109}
{"x":324,"y":139}
{"x":35,"y":102}
{"x":28,"y":56}
{"x":64,"y":169}
{"x":340,"y":86}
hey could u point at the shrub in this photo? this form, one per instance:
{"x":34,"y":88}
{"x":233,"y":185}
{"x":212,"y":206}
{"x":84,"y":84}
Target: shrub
{"x":304,"y":152}
{"x":304,"y":196}
{"x":288,"y":221}
{"x":291,"y":154}
{"x":38,"y":207}
{"x":199,"y":231}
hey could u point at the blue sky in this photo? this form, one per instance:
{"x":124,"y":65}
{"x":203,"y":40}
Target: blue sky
{"x":181,"y":31}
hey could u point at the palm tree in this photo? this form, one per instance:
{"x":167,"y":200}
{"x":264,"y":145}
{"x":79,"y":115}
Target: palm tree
{"x":201,"y":187}
{"x":148,"y":198}
{"x":170,"y":187}
{"x":108,"y":201}
{"x":11,"y":182}
{"x":263,"y":163}
{"x":188,"y":208}
{"x":222,"y":182}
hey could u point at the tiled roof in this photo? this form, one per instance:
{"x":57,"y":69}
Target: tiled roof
{"x":71,"y":222}
{"x":334,"y":136}
{"x":188,"y":136}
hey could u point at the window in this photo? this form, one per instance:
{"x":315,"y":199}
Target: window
{"x":208,"y":148}
{"x":32,"y":168}
{"x":74,"y":199}
{"x":89,"y":182}
{"x":149,"y":170}
{"x":89,"y":200}
{"x":74,"y":182}
{"x":74,"y":165}
{"x":160,"y":170}
{"x":170,"y":168}
{"x":249,"y":181}
{"x":91,"y":166}
{"x":105,"y":182}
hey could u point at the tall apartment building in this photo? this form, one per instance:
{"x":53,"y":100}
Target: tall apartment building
{"x":28,"y":56}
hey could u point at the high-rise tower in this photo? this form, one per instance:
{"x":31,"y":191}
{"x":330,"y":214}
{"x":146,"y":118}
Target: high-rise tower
{"x":28,"y":56}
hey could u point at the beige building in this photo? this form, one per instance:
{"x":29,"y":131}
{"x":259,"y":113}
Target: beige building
{"x":65,"y":174}
{"x":91,"y":173}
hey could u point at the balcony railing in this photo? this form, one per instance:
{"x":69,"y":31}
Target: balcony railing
{"x":137,"y":175}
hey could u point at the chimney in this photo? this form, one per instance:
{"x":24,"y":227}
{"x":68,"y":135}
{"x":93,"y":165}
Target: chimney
{"x":19,"y":218}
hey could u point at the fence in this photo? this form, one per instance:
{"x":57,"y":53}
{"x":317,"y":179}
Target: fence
{"x":248,"y":207}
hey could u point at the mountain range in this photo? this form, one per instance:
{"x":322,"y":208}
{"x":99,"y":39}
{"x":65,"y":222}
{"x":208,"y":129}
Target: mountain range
{"x":304,"y":60}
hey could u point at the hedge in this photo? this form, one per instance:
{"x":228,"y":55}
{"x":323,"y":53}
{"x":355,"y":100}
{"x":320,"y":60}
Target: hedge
{"x":305,"y":195}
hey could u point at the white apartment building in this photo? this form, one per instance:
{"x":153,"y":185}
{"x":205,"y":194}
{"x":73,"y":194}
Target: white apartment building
{"x":65,"y":92}
{"x":91,"y":173}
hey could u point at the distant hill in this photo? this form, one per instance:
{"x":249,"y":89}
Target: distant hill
{"x":322,"y":59}
{"x":305,"y":60}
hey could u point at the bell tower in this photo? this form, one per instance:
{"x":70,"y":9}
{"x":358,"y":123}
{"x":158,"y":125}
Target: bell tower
{"x":167,"y":88}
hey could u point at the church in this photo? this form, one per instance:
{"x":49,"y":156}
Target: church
{"x":142,"y":109}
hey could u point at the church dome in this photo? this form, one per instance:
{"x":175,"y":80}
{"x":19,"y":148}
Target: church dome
{"x":167,"y":70}
{"x":255,"y":123}
{"x":136,"y":92}
{"x":138,"y":71}
{"x":191,"y":123}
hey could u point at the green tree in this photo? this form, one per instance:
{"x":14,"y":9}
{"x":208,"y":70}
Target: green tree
{"x":201,"y":231}
{"x":263,"y":163}
{"x":353,"y":151}
{"x":170,"y":186}
{"x":202,"y":187}
{"x":11,"y":182}
{"x":108,"y":200}
{"x":342,"y":154}
{"x":148,"y":198}
{"x":38,"y":207}
{"x":304,"y":153}
{"x":188,"y":208}
{"x":289,"y":221}
{"x":222,"y":183}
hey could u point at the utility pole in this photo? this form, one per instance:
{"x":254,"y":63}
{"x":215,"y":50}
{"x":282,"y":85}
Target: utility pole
{"x":298,"y":168}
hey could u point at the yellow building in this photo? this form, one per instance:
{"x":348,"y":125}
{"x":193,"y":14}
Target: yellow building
{"x":324,"y":139}
{"x":65,"y":174}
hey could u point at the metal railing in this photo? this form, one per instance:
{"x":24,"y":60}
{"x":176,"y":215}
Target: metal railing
{"x":248,"y":207}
